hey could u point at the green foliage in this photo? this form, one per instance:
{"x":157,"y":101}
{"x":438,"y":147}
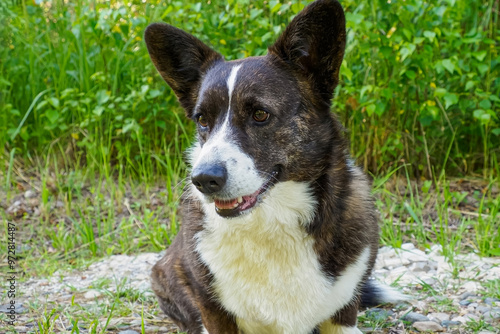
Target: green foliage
{"x":419,"y":79}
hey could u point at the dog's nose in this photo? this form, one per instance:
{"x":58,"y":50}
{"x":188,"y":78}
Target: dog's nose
{"x":209,"y":179}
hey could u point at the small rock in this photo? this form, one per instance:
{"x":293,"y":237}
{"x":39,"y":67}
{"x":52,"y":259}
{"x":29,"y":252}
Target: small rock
{"x":448,"y":323}
{"x":128,"y":331}
{"x":427,"y":326}
{"x":491,"y":315}
{"x":483,"y":309}
{"x":29,"y":194}
{"x":464,"y":302}
{"x":136,"y":322}
{"x":420,"y":305}
{"x":408,"y":246}
{"x":414,"y":317}
{"x":486,"y":332}
{"x":438,"y":317}
{"x":466,"y":318}
{"x":415,"y":255}
{"x":466,"y":294}
{"x":473,"y":305}
{"x":490,"y":301}
{"x":91,"y":294}
{"x":471,"y":286}
{"x":151,"y":329}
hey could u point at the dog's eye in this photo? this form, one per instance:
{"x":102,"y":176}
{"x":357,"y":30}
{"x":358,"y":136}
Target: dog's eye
{"x":260,"y":116}
{"x":202,"y":121}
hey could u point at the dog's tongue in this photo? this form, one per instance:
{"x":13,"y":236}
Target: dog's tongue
{"x":226,"y":204}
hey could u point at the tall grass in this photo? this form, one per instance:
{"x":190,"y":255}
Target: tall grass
{"x":83,"y":110}
{"x":418,"y":78}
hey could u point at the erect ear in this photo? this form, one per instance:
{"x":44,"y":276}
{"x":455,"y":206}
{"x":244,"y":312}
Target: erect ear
{"x":181,"y":60}
{"x":314,"y":43}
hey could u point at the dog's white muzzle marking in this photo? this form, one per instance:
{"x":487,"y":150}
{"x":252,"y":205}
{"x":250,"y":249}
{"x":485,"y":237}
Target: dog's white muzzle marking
{"x":221,"y":148}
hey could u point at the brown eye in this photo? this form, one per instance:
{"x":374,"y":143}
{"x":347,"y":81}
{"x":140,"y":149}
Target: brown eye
{"x":260,"y":116}
{"x":202,"y":121}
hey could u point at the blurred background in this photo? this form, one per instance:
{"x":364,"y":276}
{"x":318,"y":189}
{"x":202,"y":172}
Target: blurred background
{"x":92,"y":140}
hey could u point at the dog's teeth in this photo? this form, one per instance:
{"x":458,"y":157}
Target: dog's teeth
{"x":235,"y":205}
{"x":240,"y":199}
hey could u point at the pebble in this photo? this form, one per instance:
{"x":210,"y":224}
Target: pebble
{"x":466,"y":294}
{"x":415,"y":317}
{"x":91,"y":294}
{"x":30,"y":194}
{"x":465,"y":318}
{"x":407,"y":267}
{"x":448,"y":323}
{"x":491,"y":315}
{"x":465,"y":302}
{"x":427,"y":326}
{"x":151,"y":329}
{"x":483,"y":309}
{"x":438,"y":317}
{"x":490,"y":301}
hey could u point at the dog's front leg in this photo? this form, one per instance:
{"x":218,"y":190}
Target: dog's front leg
{"x":343,"y":322}
{"x":217,"y":321}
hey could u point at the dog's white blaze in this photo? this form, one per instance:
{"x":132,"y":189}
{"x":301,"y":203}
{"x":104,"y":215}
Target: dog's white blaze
{"x":204,"y":330}
{"x":231,"y":82}
{"x":266,"y":271}
{"x":243,"y":178}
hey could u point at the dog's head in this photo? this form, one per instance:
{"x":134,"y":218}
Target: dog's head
{"x":261,"y":120}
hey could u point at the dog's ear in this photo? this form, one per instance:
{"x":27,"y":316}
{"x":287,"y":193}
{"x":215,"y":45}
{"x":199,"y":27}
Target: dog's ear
{"x":181,"y":60}
{"x":314,"y":43}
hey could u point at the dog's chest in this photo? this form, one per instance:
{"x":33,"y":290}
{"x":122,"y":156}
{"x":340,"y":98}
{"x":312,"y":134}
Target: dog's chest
{"x":266,"y":280}
{"x":266,"y":271}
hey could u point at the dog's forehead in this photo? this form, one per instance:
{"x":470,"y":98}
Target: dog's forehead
{"x":243,"y":77}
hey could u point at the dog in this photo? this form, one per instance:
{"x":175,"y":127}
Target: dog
{"x":279,"y":230}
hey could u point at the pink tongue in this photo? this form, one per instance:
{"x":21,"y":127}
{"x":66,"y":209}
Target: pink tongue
{"x":229,"y":204}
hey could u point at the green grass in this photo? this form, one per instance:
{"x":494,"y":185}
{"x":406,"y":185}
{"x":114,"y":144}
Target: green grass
{"x":77,"y":85}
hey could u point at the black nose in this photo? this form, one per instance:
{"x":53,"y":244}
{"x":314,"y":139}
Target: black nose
{"x":209,"y":179}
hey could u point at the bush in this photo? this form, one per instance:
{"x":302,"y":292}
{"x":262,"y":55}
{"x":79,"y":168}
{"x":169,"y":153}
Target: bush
{"x":420,"y":82}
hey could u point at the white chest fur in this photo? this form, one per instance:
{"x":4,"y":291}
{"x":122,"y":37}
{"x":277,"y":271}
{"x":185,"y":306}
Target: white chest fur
{"x":266,"y":270}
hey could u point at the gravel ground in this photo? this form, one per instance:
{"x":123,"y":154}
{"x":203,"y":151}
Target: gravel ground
{"x":443,"y":297}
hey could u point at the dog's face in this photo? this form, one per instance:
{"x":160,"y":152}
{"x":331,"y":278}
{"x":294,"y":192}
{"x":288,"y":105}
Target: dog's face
{"x":260,"y":120}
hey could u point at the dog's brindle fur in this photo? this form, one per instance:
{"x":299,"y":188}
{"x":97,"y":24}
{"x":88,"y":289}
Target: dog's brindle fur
{"x":295,"y":82}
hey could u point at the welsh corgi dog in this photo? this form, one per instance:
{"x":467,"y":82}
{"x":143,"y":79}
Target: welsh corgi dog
{"x":279,"y":231}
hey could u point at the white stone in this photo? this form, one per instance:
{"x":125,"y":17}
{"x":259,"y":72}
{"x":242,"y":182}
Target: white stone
{"x":438,"y":316}
{"x":427,"y":326}
{"x":408,"y":246}
{"x":91,"y":294}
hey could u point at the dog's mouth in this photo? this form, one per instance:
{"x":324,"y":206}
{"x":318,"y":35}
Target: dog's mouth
{"x":228,"y":208}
